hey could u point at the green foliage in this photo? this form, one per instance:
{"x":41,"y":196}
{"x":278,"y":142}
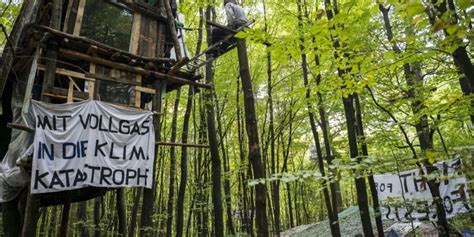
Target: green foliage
{"x":9,"y":10}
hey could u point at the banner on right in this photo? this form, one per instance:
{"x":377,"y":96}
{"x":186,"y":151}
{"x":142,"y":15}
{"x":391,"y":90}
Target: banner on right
{"x":406,"y":196}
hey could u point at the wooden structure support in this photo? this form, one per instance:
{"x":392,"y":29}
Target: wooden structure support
{"x":125,"y":67}
{"x":182,"y":144}
{"x":102,"y":46}
{"x":222,"y":27}
{"x":20,"y":127}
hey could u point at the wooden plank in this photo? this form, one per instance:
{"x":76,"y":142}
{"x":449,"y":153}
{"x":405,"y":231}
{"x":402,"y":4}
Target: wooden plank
{"x":70,"y":92}
{"x":58,"y":96}
{"x":101,"y":77}
{"x":91,"y":84}
{"x":125,"y":67}
{"x":80,"y":14}
{"x":135,"y":39}
{"x":143,"y":37}
{"x":152,"y":44}
{"x":138,"y":94}
{"x":62,"y":93}
{"x":178,"y":65}
{"x":145,"y":89}
{"x":65,"y":72}
{"x":68,"y":15}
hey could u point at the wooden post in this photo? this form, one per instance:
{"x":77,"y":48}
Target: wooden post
{"x":91,"y":84}
{"x":31,"y":214}
{"x":80,"y":13}
{"x":172,"y":26}
{"x":52,"y":49}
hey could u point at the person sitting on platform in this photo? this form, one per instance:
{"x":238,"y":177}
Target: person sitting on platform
{"x":236,"y":18}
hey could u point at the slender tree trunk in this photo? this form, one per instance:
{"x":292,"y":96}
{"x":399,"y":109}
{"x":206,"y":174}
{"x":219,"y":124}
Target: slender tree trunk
{"x":97,"y":216}
{"x":65,"y":217}
{"x":121,"y":212}
{"x":290,"y":206}
{"x":445,"y":10}
{"x":227,"y":178}
{"x":275,"y":186}
{"x":213,"y":145}
{"x":255,"y":156}
{"x":149,"y":194}
{"x":334,"y":182}
{"x":184,"y":167}
{"x":332,"y":211}
{"x":365,"y":153}
{"x":169,"y":222}
{"x":415,"y":82}
{"x":349,"y":112}
{"x":44,"y":219}
{"x":82,"y":215}
{"x":134,"y":214}
{"x":201,"y":177}
{"x":246,"y":222}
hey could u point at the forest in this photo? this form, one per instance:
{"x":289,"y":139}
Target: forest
{"x":319,"y":100}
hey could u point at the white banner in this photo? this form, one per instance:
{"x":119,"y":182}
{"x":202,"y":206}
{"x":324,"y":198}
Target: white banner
{"x":406,"y":197}
{"x":91,"y":143}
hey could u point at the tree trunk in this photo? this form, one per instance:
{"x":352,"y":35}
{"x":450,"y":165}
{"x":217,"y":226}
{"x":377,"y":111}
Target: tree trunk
{"x":82,"y":216}
{"x":134,"y":214}
{"x":121,"y":212}
{"x":97,"y":216}
{"x":255,"y":156}
{"x":460,"y":55}
{"x":244,"y":208}
{"x":352,"y":136}
{"x":184,"y":167}
{"x":227,"y":177}
{"x":412,"y":73}
{"x":213,"y":144}
{"x":149,"y":194}
{"x":365,"y":153}
{"x":174,"y":122}
{"x":332,"y":210}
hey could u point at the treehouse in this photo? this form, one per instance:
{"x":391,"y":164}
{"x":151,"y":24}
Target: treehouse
{"x":64,"y":51}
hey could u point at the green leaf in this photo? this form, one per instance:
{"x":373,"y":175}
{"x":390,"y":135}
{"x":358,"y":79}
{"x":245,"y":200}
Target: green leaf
{"x":464,"y":4}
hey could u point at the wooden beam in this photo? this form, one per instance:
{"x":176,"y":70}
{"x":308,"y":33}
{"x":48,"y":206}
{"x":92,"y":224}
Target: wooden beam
{"x":138,"y":94}
{"x":68,"y":15}
{"x":80,"y":13}
{"x":178,"y":65}
{"x":181,"y":144}
{"x":20,"y":127}
{"x":70,"y":92}
{"x":125,"y":67}
{"x":135,"y":37}
{"x":65,"y":72}
{"x":221,"y":26}
{"x":61,"y":96}
{"x":101,"y":45}
{"x":91,"y":84}
{"x":145,"y":89}
{"x":62,"y":93}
